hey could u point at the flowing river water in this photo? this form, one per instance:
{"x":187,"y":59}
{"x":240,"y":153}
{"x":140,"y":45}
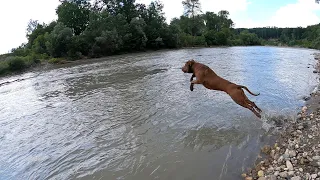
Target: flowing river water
{"x":134,"y":117}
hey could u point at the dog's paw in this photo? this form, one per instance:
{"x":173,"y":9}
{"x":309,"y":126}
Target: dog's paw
{"x":191,"y":87}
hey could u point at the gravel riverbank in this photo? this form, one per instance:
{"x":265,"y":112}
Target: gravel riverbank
{"x":296,"y":153}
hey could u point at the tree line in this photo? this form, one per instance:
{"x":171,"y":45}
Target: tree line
{"x":97,"y":28}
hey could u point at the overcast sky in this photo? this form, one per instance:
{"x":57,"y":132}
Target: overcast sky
{"x":15,"y":15}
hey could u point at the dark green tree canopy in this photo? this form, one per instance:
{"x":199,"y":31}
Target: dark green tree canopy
{"x":95,"y":28}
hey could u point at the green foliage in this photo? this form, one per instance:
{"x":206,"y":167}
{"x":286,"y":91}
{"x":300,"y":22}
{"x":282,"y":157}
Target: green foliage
{"x":137,"y":37}
{"x":4,"y":67}
{"x":74,"y":14}
{"x":249,"y":39}
{"x":108,"y":43}
{"x":171,"y":37}
{"x":16,"y":63}
{"x":55,"y":60}
{"x":107,"y":27}
{"x":188,"y":40}
{"x":58,"y":40}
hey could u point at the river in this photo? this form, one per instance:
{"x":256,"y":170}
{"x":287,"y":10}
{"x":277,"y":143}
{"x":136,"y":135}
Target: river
{"x":134,"y":117}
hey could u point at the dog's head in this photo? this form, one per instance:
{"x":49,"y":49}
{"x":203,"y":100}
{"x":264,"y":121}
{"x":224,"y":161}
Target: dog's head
{"x":187,"y":68}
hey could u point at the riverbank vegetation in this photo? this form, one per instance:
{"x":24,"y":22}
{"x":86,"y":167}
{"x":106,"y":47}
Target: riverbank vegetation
{"x":97,"y":28}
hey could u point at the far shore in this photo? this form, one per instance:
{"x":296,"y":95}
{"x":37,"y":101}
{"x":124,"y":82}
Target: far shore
{"x":63,"y":62}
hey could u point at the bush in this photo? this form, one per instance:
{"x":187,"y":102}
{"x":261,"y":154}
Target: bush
{"x":16,"y":63}
{"x":55,"y":60}
{"x":189,"y":40}
{"x":236,"y":42}
{"x":74,"y":55}
{"x":3,"y":67}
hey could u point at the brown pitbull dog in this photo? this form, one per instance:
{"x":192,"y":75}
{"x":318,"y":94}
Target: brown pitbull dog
{"x":209,"y":79}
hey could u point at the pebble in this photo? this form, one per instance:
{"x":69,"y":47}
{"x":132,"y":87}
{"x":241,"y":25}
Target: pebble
{"x":300,"y":169}
{"x":260,"y":173}
{"x":276,"y":173}
{"x":296,"y":178}
{"x":292,"y":153}
{"x":308,"y":176}
{"x":298,"y":131}
{"x":280,"y":159}
{"x":310,"y":136}
{"x":314,"y":176}
{"x":291,"y":173}
{"x":262,"y":178}
{"x":270,"y":169}
{"x":283,"y":174}
{"x":272,"y":153}
{"x":289,"y":165}
{"x":316,"y":158}
{"x":300,"y":127}
{"x":244,"y":175}
{"x":286,"y":154}
{"x":272,"y":177}
{"x":266,"y":149}
{"x":311,"y":115}
{"x":304,"y":108}
{"x":248,"y":178}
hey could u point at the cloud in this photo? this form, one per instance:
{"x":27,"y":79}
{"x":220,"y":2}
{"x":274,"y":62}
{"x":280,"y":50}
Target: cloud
{"x":302,"y":13}
{"x":14,"y":18}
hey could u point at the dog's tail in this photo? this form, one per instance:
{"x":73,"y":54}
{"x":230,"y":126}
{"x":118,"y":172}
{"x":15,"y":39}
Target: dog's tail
{"x":244,"y":87}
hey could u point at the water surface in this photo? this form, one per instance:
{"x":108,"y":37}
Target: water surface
{"x":134,"y":117}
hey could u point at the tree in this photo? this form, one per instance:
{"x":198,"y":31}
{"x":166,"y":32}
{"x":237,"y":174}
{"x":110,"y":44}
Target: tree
{"x":155,"y":24}
{"x":211,"y":21}
{"x":74,"y":14}
{"x":58,"y":40}
{"x":108,"y":43}
{"x":127,"y":8}
{"x":32,"y":25}
{"x":191,"y":8}
{"x":249,"y":38}
{"x":137,"y":37}
{"x":225,"y":22}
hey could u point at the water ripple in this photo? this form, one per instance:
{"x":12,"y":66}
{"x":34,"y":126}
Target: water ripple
{"x":134,"y":117}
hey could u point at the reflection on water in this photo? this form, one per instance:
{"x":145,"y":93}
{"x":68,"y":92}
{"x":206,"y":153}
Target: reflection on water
{"x":134,"y":117}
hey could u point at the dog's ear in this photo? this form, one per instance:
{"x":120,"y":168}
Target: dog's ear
{"x":191,"y":62}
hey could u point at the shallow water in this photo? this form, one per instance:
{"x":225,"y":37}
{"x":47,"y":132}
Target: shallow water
{"x":134,"y":117}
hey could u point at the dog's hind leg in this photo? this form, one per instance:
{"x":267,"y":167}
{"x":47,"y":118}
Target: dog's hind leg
{"x":240,"y":98}
{"x":254,"y":105}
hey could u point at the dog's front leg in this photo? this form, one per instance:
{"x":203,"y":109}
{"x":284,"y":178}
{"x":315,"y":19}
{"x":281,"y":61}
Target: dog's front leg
{"x":197,"y":81}
{"x":192,"y":77}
